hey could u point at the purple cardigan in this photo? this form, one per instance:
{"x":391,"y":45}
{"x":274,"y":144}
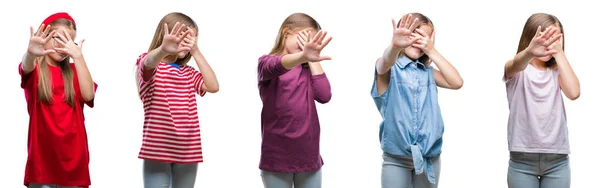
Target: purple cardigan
{"x":290,"y":124}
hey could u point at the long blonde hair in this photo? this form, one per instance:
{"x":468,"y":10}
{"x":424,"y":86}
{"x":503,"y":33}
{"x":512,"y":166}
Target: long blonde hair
{"x":293,"y":23}
{"x":44,"y":79}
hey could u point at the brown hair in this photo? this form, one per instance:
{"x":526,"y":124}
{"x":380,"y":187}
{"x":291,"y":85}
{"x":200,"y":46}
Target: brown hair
{"x":422,"y":20}
{"x":44,"y":79}
{"x":533,"y":22}
{"x":292,"y":23}
{"x":170,"y":19}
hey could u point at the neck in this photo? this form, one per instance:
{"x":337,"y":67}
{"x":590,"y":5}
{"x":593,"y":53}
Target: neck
{"x":538,"y":64}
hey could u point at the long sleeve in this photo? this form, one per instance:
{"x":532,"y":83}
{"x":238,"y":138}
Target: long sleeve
{"x":321,"y":88}
{"x":270,"y":67}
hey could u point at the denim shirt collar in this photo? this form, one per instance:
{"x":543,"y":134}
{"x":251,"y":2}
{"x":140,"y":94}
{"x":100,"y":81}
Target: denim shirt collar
{"x":404,"y":61}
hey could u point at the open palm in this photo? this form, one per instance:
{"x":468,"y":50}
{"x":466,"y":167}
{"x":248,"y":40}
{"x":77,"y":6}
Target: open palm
{"x":539,"y":46}
{"x":171,"y":40}
{"x":402,"y":33}
{"x":38,"y":40}
{"x":312,"y":48}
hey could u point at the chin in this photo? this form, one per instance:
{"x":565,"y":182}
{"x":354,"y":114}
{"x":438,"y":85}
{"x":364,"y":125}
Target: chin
{"x":545,"y":59}
{"x":182,"y":55}
{"x":413,"y":53}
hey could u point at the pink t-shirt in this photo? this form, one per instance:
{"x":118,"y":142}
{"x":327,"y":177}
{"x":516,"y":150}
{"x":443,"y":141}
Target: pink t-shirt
{"x":537,"y":121}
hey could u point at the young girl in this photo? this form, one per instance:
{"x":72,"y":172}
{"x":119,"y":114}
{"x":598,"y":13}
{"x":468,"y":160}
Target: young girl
{"x":290,"y":80}
{"x":537,"y":123}
{"x":56,"y":91}
{"x":167,"y":86}
{"x":405,"y":92}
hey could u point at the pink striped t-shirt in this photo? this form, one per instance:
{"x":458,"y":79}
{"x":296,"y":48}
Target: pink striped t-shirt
{"x":171,"y":126}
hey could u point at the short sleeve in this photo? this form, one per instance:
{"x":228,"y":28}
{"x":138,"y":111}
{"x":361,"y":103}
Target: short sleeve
{"x":91,"y":102}
{"x":144,"y":75}
{"x":198,"y":82}
{"x":26,"y":81}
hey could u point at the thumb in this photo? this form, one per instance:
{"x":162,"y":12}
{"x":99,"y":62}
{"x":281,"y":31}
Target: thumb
{"x":433,"y":37}
{"x":81,"y":43}
{"x":324,"y":58}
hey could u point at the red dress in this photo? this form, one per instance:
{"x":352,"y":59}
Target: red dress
{"x":57,"y":144}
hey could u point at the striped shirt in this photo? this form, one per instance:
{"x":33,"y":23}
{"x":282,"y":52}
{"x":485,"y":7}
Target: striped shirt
{"x":171,"y":126}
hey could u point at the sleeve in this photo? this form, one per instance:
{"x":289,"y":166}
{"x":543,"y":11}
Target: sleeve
{"x":144,"y":77}
{"x":26,"y":81}
{"x":270,"y":67}
{"x":91,"y":102}
{"x":321,"y":88}
{"x":198,"y":82}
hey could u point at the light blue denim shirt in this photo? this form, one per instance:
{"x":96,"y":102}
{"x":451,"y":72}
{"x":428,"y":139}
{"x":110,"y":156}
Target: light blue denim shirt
{"x":412,"y":122}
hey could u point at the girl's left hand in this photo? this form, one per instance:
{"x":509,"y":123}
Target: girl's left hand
{"x":424,"y":42}
{"x":191,"y":40}
{"x":557,"y":46}
{"x":302,"y":38}
{"x":69,"y":47}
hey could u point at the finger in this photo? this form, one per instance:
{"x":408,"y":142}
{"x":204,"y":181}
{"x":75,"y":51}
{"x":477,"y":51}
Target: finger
{"x":63,"y":40}
{"x":30,"y":31}
{"x":174,"y":28}
{"x":184,"y":48}
{"x":39,"y":30}
{"x":547,"y":33}
{"x":49,"y":36}
{"x":46,"y":30}
{"x":552,"y":40}
{"x":323,"y":58}
{"x":402,"y":21}
{"x":185,"y":34}
{"x":300,"y":39}
{"x":304,"y":35}
{"x":433,"y":36}
{"x":407,"y":22}
{"x":49,"y":51}
{"x":166,"y":29}
{"x":394,"y":23}
{"x":300,"y":45}
{"x":422,"y":33}
{"x":192,"y":31}
{"x":67,"y":35}
{"x":81,"y":43}
{"x":326,"y":42}
{"x":61,"y":50}
{"x":414,"y":25}
{"x":320,"y":40}
{"x":538,"y":32}
{"x":180,"y":29}
{"x":317,"y":36}
{"x":551,"y":52}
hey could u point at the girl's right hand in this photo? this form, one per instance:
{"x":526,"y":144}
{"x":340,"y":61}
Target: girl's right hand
{"x":312,"y":48}
{"x":540,"y":44}
{"x":172,"y":40}
{"x":402,"y":33}
{"x":38,"y":39}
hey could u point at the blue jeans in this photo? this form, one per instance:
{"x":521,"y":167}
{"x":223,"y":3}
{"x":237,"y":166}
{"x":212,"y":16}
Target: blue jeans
{"x":37,"y":185}
{"x":169,"y":175}
{"x":399,"y":172}
{"x":289,"y":180}
{"x":539,"y":170}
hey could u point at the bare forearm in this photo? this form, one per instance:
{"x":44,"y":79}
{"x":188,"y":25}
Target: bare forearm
{"x":569,"y":82}
{"x":315,"y":68}
{"x":390,"y":55}
{"x":153,"y":58}
{"x":86,"y":84}
{"x":208,"y":75}
{"x":28,"y":63}
{"x":292,"y":60}
{"x":518,"y":63}
{"x":448,"y":71}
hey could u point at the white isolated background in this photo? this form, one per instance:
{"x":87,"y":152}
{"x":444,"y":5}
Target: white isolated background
{"x":477,"y":37}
